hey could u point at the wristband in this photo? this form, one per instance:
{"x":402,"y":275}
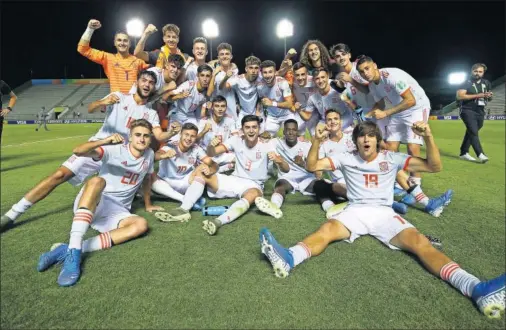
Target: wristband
{"x":274,"y":104}
{"x":87,"y":34}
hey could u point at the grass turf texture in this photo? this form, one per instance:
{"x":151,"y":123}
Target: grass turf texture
{"x":179,"y":277}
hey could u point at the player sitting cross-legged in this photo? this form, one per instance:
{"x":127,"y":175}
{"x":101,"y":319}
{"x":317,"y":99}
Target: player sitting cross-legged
{"x":370,"y":175}
{"x":184,"y":169}
{"x":105,"y":200}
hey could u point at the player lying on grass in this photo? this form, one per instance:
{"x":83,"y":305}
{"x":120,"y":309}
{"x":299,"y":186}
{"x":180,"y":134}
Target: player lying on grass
{"x":247,"y":180}
{"x":121,"y":111}
{"x":104,"y":201}
{"x":184,"y":171}
{"x":331,"y":193}
{"x":370,"y":175}
{"x":294,"y":152}
{"x":216,"y":128}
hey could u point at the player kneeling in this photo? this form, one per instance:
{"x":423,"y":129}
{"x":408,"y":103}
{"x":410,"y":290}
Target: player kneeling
{"x":370,"y":175}
{"x":105,"y":200}
{"x":297,"y":179}
{"x":180,"y":174}
{"x":247,"y":180}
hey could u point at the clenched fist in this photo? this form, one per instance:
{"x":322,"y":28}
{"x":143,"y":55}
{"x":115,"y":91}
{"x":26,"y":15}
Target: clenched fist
{"x":94,"y":24}
{"x":111,"y":99}
{"x":421,"y":128}
{"x":115,"y":139}
{"x":150,"y":29}
{"x":321,"y":132}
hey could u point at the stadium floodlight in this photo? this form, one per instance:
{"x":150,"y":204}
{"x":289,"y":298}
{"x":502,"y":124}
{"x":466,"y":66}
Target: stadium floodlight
{"x":210,"y":31}
{"x":284,"y":29}
{"x":456,"y":78}
{"x":135,"y":27}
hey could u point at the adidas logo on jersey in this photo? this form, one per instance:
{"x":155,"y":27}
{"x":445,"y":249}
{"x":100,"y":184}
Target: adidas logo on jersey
{"x":124,"y":163}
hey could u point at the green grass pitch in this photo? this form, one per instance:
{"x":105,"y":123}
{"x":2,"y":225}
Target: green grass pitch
{"x":179,"y":277}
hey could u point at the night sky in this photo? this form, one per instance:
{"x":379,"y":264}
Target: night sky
{"x":426,"y":39}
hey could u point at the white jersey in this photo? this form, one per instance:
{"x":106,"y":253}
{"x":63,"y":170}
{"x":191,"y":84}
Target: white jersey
{"x":355,"y":75}
{"x":332,"y":100}
{"x":123,"y":172}
{"x":223,"y":130}
{"x":120,"y":115}
{"x":302,"y":94}
{"x":160,"y":80}
{"x":228,"y":94}
{"x":182,"y":164}
{"x":300,"y":149}
{"x":246,"y":92}
{"x":393,"y":84}
{"x":277,"y":93}
{"x":370,"y":183}
{"x":190,"y":104}
{"x":331,"y":148}
{"x":191,"y":71}
{"x":251,"y":163}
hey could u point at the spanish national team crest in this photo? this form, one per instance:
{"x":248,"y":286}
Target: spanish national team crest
{"x":146,"y":115}
{"x":301,"y":153}
{"x":191,"y":160}
{"x":144,"y":165}
{"x":383,"y":166}
{"x":259,"y":154}
{"x":125,"y":108}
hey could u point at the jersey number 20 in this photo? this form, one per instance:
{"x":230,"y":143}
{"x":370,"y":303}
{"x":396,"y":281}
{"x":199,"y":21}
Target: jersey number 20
{"x":130,"y":178}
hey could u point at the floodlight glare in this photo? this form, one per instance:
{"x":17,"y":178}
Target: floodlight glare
{"x":284,"y":29}
{"x":456,"y":78}
{"x":135,"y":27}
{"x":210,"y":28}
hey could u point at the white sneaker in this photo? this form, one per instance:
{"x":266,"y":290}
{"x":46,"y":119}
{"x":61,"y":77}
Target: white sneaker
{"x":468,"y":157}
{"x":483,"y":158}
{"x":268,"y":207}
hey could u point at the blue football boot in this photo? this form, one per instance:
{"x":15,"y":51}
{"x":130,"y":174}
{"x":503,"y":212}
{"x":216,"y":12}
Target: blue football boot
{"x":71,"y":269}
{"x":280,"y":257}
{"x":400,"y":208}
{"x":55,"y":255}
{"x":489,"y":296}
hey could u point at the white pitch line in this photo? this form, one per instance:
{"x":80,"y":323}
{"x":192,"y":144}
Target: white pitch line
{"x":27,"y":143}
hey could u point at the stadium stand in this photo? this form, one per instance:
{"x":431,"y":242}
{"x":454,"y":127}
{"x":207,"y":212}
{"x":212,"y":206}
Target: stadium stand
{"x":82,"y":107}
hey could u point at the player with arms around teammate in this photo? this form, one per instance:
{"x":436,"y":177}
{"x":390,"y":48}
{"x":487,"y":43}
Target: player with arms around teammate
{"x":303,"y":87}
{"x":122,"y":110}
{"x":184,"y":172}
{"x":370,"y":175}
{"x":121,"y":68}
{"x":215,"y":129}
{"x":104,"y":202}
{"x":247,"y":180}
{"x":294,"y":152}
{"x":276,"y":96}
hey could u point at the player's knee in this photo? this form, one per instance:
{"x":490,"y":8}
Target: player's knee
{"x":329,"y":229}
{"x":140,"y":226}
{"x":96,"y":182}
{"x":61,"y":175}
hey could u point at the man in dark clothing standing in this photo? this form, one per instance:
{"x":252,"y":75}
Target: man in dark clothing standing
{"x":6,"y":90}
{"x":473,"y":95}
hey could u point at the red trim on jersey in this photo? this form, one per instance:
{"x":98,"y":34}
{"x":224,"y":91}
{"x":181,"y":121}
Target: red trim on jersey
{"x":405,"y":168}
{"x":331,"y":164}
{"x":405,"y":91}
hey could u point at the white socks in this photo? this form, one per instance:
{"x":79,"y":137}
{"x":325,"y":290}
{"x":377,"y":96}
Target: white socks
{"x":235,"y":211}
{"x":100,"y":242}
{"x":80,"y":224}
{"x":327,"y":205}
{"x":419,"y":196}
{"x":193,"y":193}
{"x":459,"y":278}
{"x":163,"y":188}
{"x":300,"y":252}
{"x":277,"y":199}
{"x":19,"y":208}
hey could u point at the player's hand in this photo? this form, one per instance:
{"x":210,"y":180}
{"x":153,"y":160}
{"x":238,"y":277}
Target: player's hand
{"x":230,"y":73}
{"x":4,"y":112}
{"x":94,"y":24}
{"x":488,"y":95}
{"x":115,"y":139}
{"x":174,"y":128}
{"x":287,"y":62}
{"x":150,"y":29}
{"x":421,"y":128}
{"x":152,"y":208}
{"x":376,"y":113}
{"x":168,"y":154}
{"x":181,"y":95}
{"x":321,"y":132}
{"x":343,"y":76}
{"x":299,"y":161}
{"x":265,"y":136}
{"x":274,"y":157}
{"x":291,"y":53}
{"x":189,"y":60}
{"x":216,"y":141}
{"x":266,"y":102}
{"x":204,"y":169}
{"x":297,"y":106}
{"x":111,"y":99}
{"x":208,"y":126}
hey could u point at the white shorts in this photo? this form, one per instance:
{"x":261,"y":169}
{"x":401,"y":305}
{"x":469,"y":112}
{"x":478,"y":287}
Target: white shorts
{"x":299,"y":184}
{"x":108,"y":214}
{"x":272,"y":124}
{"x":82,"y":167}
{"x":231,"y":186}
{"x":378,"y":221}
{"x":226,"y":158}
{"x":399,"y":128}
{"x":179,"y":185}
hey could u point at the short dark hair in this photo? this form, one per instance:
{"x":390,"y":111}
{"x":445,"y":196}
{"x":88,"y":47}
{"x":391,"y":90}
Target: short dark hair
{"x":363,"y":59}
{"x":290,"y":121}
{"x":219,"y":98}
{"x":479,"y":65}
{"x":339,"y":48}
{"x":224,"y":45}
{"x":267,"y":64}
{"x":317,"y":71}
{"x":141,"y":123}
{"x":204,"y":67}
{"x":249,"y":118}
{"x":252,"y":60}
{"x":148,"y":73}
{"x":121,"y":32}
{"x":201,"y":40}
{"x":177,"y":59}
{"x":332,"y":111}
{"x":189,"y":127}
{"x":298,"y":66}
{"x":366,"y":128}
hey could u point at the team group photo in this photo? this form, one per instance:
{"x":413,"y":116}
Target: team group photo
{"x":181,"y":183}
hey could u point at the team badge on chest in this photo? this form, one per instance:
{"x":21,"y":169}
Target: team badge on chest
{"x":259,"y":154}
{"x":383,"y":166}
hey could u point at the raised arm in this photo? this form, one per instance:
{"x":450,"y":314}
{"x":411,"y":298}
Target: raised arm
{"x":433,"y":162}
{"x":99,"y":104}
{"x":313,"y":164}
{"x":173,"y":130}
{"x":83,"y":46}
{"x":139,"y":51}
{"x":216,"y":148}
{"x":91,"y":148}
